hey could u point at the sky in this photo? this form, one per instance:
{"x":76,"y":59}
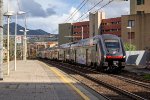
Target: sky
{"x":48,"y":14}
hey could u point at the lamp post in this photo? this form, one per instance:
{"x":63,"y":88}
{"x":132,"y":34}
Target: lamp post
{"x":129,"y":27}
{"x":130,"y":35}
{"x":1,"y":39}
{"x":8,"y":14}
{"x":18,"y":13}
{"x":25,"y":44}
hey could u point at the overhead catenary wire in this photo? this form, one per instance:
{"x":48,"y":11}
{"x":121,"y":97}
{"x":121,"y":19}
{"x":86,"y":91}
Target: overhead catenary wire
{"x":90,"y":9}
{"x":75,"y":10}
{"x":18,"y":4}
{"x":110,"y":1}
{"x":78,"y":10}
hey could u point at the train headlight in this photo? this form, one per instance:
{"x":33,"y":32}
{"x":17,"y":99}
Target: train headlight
{"x":124,"y":56}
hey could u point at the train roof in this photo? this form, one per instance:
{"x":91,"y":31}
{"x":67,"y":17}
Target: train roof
{"x":88,"y":41}
{"x":109,"y":36}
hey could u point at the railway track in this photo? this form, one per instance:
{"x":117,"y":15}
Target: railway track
{"x":142,"y":84}
{"x":95,"y":77}
{"x":134,"y":76}
{"x":132,"y":81}
{"x":135,"y":82}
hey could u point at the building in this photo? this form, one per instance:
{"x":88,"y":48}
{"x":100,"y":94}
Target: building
{"x":78,"y":28}
{"x":138,"y":23}
{"x":139,"y":34}
{"x":111,"y":26}
{"x":100,"y":25}
{"x":95,"y":23}
{"x":71,"y":32}
{"x":65,"y":30}
{"x":34,"y":47}
{"x":139,"y":6}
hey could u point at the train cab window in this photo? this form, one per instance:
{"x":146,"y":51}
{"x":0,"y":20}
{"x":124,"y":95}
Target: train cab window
{"x":112,"y":44}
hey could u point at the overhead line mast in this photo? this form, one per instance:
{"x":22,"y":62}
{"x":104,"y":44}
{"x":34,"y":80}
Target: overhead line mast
{"x":1,"y":39}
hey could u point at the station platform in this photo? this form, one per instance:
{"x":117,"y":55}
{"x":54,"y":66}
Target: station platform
{"x":34,"y":80}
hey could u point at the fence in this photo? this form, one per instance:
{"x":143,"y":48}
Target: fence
{"x":139,"y":58}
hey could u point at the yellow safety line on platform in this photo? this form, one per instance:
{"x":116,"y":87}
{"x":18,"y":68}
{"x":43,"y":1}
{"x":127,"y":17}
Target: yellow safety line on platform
{"x":66,"y":81}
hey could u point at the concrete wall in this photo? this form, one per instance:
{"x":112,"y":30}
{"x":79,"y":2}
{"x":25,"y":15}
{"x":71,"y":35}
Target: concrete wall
{"x":95,"y":23}
{"x":137,"y":57}
{"x":64,"y":31}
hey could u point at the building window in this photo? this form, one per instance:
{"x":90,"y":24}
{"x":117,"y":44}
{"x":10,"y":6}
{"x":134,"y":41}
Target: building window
{"x":131,"y":35}
{"x":140,"y":2}
{"x":140,"y":12}
{"x":131,"y":23}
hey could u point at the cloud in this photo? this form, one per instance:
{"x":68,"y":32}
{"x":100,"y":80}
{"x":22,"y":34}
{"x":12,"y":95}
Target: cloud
{"x":114,"y":9}
{"x":35,"y":9}
{"x":50,"y":23}
{"x":47,"y":14}
{"x":50,"y":11}
{"x":117,"y":8}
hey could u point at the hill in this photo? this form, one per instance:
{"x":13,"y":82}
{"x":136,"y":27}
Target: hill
{"x":30,"y":32}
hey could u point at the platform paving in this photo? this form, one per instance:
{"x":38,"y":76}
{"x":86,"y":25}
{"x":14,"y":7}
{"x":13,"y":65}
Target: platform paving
{"x":33,"y":80}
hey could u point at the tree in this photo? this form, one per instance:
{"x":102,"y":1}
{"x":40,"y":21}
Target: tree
{"x":128,"y":48}
{"x":11,"y":48}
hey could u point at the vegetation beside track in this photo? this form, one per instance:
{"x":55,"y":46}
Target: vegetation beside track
{"x":147,"y":76}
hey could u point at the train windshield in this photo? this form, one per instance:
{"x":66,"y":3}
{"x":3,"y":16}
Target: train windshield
{"x":112,"y":44}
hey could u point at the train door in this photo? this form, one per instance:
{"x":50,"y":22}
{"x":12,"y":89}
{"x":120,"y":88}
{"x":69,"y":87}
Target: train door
{"x":75,"y":56}
{"x":64,"y":55}
{"x":58,"y":55}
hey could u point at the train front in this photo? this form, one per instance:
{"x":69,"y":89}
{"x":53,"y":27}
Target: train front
{"x":114,"y":57}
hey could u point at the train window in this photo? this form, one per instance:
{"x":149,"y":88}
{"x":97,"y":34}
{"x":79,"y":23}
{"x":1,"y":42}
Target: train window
{"x":112,"y":44}
{"x":96,"y":47}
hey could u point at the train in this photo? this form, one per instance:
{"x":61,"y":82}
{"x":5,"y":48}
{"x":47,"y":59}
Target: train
{"x":103,"y":52}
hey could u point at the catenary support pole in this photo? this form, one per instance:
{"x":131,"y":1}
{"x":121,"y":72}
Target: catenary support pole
{"x":82,"y":33}
{"x":25,"y":40}
{"x":8,"y":20}
{"x":15,"y":43}
{"x":1,"y":39}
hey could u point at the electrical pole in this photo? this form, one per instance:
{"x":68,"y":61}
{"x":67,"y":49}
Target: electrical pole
{"x":1,"y":39}
{"x":25,"y":40}
{"x":8,"y":14}
{"x":82,"y":32}
{"x":15,"y":42}
{"x":8,"y":20}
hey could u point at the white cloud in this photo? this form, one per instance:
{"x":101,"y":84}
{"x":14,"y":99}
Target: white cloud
{"x":117,"y":9}
{"x":50,"y":23}
{"x":114,"y":9}
{"x":11,"y":4}
{"x":64,"y":9}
